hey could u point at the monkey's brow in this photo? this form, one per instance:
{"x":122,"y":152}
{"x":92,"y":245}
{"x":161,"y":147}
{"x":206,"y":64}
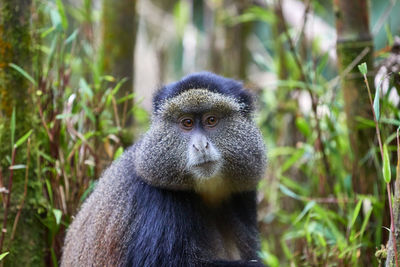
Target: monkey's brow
{"x":175,"y":114}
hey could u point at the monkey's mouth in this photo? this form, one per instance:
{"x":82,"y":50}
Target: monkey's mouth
{"x":205,"y":169}
{"x":205,"y":164}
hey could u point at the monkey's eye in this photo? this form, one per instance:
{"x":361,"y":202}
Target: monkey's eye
{"x":187,"y":123}
{"x":211,"y":121}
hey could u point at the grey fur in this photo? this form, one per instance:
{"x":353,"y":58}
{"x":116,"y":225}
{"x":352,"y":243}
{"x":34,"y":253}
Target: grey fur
{"x":163,"y":153}
{"x":166,"y":158}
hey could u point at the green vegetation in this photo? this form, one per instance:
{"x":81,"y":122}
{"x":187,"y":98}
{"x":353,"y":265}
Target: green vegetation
{"x":70,"y":121}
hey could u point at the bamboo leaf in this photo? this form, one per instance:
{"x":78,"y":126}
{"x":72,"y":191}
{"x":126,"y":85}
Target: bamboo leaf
{"x":309,"y":206}
{"x":17,"y":167}
{"x":23,"y":139}
{"x":72,"y":37}
{"x":119,"y":152}
{"x":61,"y":11}
{"x":289,"y":192}
{"x":108,"y":78}
{"x":3,"y":255}
{"x":355,"y":213}
{"x":118,"y":86}
{"x":89,"y":113}
{"x":365,"y":222}
{"x":303,"y":126}
{"x":386,"y":165}
{"x":376,"y":103}
{"x":57,"y":214}
{"x":115,"y":90}
{"x":56,"y":20}
{"x":85,"y":88}
{"x":23,"y":73}
{"x":47,"y":32}
{"x":363,"y":68}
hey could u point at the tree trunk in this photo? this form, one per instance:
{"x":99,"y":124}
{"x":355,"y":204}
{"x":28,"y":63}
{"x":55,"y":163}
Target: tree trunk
{"x":27,"y":248}
{"x":354,"y":39}
{"x":354,"y":42}
{"x":119,"y":38}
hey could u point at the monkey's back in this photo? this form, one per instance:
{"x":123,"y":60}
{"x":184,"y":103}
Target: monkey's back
{"x":98,"y":235}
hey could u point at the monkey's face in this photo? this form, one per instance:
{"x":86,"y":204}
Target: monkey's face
{"x":201,"y":140}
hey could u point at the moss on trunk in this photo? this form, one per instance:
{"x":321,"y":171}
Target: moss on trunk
{"x":27,"y":249}
{"x":352,"y":26}
{"x":119,"y":37}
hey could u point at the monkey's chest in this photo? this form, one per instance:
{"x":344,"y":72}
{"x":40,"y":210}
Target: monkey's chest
{"x":225,"y":246}
{"x":223,"y":238}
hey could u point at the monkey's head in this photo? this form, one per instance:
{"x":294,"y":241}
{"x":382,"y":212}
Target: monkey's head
{"x":202,"y":138}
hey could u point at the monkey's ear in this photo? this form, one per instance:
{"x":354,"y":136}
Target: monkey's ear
{"x":246,"y":100}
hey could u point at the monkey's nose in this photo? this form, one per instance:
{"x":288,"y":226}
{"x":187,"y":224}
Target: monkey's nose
{"x":199,"y":146}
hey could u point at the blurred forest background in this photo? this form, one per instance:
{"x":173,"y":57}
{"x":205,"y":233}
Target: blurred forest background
{"x":76,"y":79}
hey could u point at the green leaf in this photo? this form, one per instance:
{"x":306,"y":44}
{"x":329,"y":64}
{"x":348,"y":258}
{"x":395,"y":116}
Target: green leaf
{"x":376,"y":103}
{"x":269,"y":258}
{"x":309,"y":206}
{"x":17,"y":167}
{"x":363,"y":68}
{"x":72,"y":37}
{"x":119,"y":152}
{"x":12,"y":127}
{"x":322,"y":63}
{"x":56,"y":20}
{"x":61,"y":12}
{"x":252,"y":14}
{"x":389,"y":35}
{"x":181,"y":16}
{"x":23,"y":139}
{"x":386,"y":165}
{"x":47,"y":32}
{"x":49,"y":191}
{"x":289,"y":192}
{"x":355,"y":213}
{"x":57,"y":214}
{"x":51,"y":52}
{"x":89,"y":113}
{"x":108,"y":78}
{"x":23,"y":73}
{"x":3,"y":255}
{"x":86,"y":90}
{"x":303,"y":126}
{"x":64,"y":116}
{"x":46,"y":157}
{"x":365,"y":222}
{"x":125,"y":98}
{"x":293,"y":159}
{"x":118,"y":86}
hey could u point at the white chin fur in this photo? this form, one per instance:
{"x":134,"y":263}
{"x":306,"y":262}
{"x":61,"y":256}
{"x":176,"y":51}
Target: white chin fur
{"x":206,"y":170}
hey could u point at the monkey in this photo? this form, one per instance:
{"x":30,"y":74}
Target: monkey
{"x":185,"y":193}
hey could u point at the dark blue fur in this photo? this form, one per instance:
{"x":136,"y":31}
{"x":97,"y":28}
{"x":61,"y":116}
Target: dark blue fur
{"x":174,"y":227}
{"x":205,"y":80}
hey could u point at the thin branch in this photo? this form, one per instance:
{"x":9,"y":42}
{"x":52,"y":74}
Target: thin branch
{"x":125,"y":110}
{"x":4,"y":193}
{"x":303,"y":26}
{"x":392,"y":226}
{"x":21,"y":205}
{"x":116,"y":111}
{"x":44,"y":123}
{"x":10,"y":180}
{"x":314,"y":101}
